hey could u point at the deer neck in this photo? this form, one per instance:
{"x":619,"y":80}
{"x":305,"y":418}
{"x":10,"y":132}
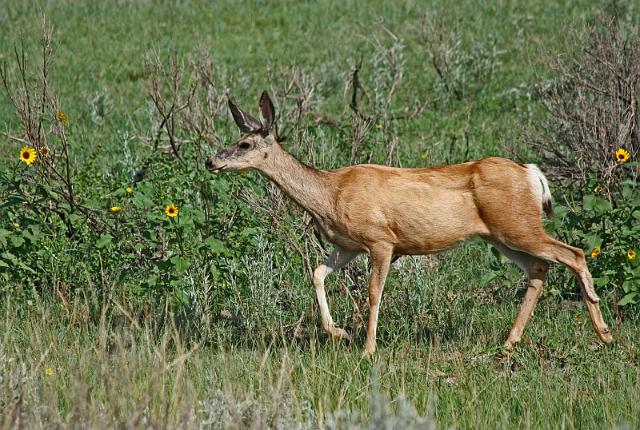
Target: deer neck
{"x":307,"y":186}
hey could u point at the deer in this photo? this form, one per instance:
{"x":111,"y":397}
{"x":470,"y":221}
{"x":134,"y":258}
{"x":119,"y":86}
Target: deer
{"x":388,"y":212}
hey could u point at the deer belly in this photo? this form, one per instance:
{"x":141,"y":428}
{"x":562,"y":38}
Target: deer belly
{"x":420,"y":246}
{"x":434,"y":231}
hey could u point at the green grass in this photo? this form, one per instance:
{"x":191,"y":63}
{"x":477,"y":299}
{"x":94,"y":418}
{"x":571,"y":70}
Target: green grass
{"x":234,"y":340}
{"x":100,"y":48}
{"x":114,"y":373}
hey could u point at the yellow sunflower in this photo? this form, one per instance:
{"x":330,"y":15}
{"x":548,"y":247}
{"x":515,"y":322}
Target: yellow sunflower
{"x":62,"y":117}
{"x":28,"y":155}
{"x":171,"y":210}
{"x":631,"y":254}
{"x":622,"y":155}
{"x":596,"y":251}
{"x":115,"y":209}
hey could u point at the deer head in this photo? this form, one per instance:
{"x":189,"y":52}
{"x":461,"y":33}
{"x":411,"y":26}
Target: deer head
{"x":254,"y":146}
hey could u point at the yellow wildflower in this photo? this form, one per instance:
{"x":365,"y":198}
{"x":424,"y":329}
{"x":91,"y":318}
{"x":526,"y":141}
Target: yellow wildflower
{"x":28,"y":155}
{"x":171,"y":210}
{"x":62,"y":117}
{"x":596,"y":251}
{"x":48,"y":371}
{"x":129,"y":190}
{"x":631,"y":254}
{"x":622,"y":155}
{"x":115,"y":209}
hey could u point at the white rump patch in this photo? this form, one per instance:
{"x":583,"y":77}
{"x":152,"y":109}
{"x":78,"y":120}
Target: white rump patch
{"x":539,"y":184}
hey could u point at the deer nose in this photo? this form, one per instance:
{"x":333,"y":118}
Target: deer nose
{"x":209,"y":163}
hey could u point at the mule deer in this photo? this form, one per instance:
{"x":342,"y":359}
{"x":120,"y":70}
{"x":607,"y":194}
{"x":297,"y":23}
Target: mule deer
{"x":387,"y":211}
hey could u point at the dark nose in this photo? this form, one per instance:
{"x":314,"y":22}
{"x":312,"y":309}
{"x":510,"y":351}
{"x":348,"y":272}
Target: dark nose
{"x":209,"y":163}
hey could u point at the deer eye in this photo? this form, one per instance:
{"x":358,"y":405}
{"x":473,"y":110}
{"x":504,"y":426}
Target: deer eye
{"x":245,"y":145}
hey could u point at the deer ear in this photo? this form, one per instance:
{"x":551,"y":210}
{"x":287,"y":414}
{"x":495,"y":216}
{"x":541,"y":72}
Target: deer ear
{"x":267,"y":111}
{"x":245,"y":122}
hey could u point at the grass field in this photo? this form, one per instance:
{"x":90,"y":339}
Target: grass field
{"x":118,"y":374}
{"x":211,"y":322}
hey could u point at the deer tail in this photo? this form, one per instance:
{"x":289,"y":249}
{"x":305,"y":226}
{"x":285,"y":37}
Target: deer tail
{"x":541,"y":187}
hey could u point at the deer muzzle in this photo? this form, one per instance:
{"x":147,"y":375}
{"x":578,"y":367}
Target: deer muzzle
{"x":214,"y":164}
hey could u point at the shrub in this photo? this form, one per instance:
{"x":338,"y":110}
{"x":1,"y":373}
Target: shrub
{"x":593,"y":107}
{"x":59,"y":210}
{"x":590,"y":144}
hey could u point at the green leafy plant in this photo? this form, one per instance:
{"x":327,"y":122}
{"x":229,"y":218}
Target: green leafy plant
{"x":144,"y":237}
{"x":608,"y":227}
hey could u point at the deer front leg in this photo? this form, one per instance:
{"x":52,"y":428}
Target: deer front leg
{"x":338,"y":258}
{"x":380,"y":255}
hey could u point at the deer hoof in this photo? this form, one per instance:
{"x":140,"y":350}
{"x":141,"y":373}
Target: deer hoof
{"x":508,"y":347}
{"x":368,"y":353}
{"x":605,"y":336}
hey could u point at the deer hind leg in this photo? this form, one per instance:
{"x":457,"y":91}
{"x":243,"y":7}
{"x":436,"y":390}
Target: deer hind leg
{"x":535,"y":269}
{"x":547,"y":248}
{"x":573,"y":258}
{"x":338,"y":258}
